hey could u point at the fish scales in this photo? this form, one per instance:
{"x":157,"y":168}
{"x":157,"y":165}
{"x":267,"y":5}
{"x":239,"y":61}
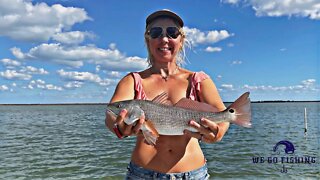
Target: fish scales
{"x":170,"y":120}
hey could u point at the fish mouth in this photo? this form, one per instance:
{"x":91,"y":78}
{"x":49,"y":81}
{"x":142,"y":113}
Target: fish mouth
{"x":110,"y":111}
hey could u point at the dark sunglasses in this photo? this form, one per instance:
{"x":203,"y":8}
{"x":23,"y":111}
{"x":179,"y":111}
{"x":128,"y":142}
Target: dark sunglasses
{"x":171,"y":32}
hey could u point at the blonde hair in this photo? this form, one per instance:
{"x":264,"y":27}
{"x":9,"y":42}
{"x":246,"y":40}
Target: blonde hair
{"x":180,"y":57}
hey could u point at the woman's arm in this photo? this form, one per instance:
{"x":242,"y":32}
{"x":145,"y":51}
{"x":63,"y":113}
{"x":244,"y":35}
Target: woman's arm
{"x":124,"y":91}
{"x":215,"y":132}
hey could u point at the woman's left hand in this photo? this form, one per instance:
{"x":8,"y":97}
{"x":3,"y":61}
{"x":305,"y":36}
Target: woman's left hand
{"x":209,"y":131}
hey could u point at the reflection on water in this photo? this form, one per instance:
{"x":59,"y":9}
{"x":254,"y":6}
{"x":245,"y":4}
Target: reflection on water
{"x":71,"y":142}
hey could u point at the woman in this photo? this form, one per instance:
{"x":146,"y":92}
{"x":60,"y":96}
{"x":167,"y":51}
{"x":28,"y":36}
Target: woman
{"x":172,"y":156}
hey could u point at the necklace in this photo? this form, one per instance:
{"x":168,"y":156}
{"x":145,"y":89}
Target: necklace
{"x":164,"y":74}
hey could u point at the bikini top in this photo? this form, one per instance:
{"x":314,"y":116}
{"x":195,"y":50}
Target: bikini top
{"x":197,"y":77}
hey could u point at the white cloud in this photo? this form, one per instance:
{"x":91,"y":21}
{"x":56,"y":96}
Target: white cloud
{"x":73,"y":84}
{"x":308,"y":85}
{"x":108,"y":59}
{"x":79,"y":76}
{"x":41,"y":84}
{"x":213,"y":49}
{"x":195,"y":36}
{"x":33,"y":70}
{"x":114,"y":74}
{"x":4,"y":88}
{"x":227,"y":87}
{"x":10,"y":62}
{"x":13,"y":74}
{"x":82,"y":77}
{"x":231,"y":1}
{"x":73,"y":37}
{"x":308,"y":82}
{"x":124,"y":64}
{"x":22,"y":20}
{"x":237,"y":62}
{"x":275,"y":8}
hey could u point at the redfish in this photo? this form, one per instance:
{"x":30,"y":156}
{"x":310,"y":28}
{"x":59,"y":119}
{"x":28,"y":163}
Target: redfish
{"x":163,"y":118}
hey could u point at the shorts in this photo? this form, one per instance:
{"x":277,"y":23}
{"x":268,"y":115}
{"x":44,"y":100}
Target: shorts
{"x":136,"y":172}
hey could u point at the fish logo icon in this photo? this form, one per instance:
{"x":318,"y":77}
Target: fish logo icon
{"x":289,"y":147}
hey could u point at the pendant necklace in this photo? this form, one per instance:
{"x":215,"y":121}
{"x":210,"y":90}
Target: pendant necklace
{"x":165,"y":75}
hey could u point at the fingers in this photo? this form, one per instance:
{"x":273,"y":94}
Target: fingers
{"x":137,"y":127}
{"x":125,"y":129}
{"x":207,"y":130}
{"x":211,"y":125}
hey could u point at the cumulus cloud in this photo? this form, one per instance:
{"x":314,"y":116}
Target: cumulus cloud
{"x":305,"y":86}
{"x":82,"y":77}
{"x":25,"y":21}
{"x":41,"y":84}
{"x":308,"y":84}
{"x":231,"y":1}
{"x":13,"y":74}
{"x":236,"y":62}
{"x":73,"y":84}
{"x":10,"y":62}
{"x":213,"y":49}
{"x":4,"y":88}
{"x":72,"y":37}
{"x":33,"y":70}
{"x":275,"y":8}
{"x":79,"y":76}
{"x":227,"y":87}
{"x":75,"y":56}
{"x":114,"y":74}
{"x":196,"y":37}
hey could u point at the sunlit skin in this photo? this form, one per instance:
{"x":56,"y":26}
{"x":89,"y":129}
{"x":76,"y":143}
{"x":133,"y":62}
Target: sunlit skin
{"x":171,"y":154}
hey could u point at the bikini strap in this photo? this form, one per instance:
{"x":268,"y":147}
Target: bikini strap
{"x":138,"y":89}
{"x":197,"y":78}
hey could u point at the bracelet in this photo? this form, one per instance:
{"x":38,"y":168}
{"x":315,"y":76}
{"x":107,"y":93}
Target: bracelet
{"x":117,"y":131}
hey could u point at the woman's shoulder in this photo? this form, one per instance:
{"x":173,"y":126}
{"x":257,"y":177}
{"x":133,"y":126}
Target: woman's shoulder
{"x":196,"y":76}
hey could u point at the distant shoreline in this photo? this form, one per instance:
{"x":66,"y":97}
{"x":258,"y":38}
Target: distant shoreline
{"x":68,"y":104}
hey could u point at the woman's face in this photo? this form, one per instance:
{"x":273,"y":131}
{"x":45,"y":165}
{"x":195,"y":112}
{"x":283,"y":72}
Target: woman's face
{"x":163,"y":48}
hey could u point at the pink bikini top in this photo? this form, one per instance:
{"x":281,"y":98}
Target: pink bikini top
{"x":197,"y":77}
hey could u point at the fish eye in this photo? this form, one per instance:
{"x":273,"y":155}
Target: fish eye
{"x":231,"y":110}
{"x":119,"y":106}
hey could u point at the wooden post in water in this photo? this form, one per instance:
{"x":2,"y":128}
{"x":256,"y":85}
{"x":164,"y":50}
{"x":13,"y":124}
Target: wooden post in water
{"x":305,"y":121}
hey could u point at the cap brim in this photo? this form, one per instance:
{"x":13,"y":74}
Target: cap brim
{"x":166,"y":13}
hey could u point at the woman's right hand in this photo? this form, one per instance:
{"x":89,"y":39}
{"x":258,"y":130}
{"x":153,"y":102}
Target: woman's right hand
{"x":125,"y":129}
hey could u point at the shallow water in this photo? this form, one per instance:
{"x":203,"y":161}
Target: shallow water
{"x":71,"y":142}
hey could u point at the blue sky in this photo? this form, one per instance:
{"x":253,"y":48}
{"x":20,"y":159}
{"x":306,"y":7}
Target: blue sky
{"x":75,"y":51}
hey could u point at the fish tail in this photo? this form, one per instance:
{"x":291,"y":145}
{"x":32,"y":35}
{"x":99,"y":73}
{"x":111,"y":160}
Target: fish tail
{"x":241,"y":108}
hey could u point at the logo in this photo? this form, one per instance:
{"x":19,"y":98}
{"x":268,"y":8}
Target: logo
{"x":289,"y":147}
{"x":283,"y":157}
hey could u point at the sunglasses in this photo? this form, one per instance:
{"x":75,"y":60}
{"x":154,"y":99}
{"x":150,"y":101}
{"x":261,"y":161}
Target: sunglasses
{"x":171,"y":32}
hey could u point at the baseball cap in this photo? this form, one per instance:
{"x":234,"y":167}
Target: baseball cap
{"x":164,"y":12}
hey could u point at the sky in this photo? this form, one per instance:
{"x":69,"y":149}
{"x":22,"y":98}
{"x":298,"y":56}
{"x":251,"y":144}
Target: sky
{"x":76,"y":51}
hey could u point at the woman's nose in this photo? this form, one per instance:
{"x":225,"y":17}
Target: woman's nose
{"x":164,"y":39}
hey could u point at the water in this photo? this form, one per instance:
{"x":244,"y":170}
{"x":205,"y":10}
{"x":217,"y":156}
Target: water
{"x":71,"y":142}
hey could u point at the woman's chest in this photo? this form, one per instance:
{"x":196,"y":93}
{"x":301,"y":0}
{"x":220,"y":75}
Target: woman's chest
{"x":175,"y":88}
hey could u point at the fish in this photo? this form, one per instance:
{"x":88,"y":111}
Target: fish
{"x":164,"y":118}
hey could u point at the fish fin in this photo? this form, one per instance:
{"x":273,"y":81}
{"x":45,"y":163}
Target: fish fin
{"x":195,"y":105}
{"x":150,"y":133}
{"x":242,"y":109}
{"x":162,"y":99}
